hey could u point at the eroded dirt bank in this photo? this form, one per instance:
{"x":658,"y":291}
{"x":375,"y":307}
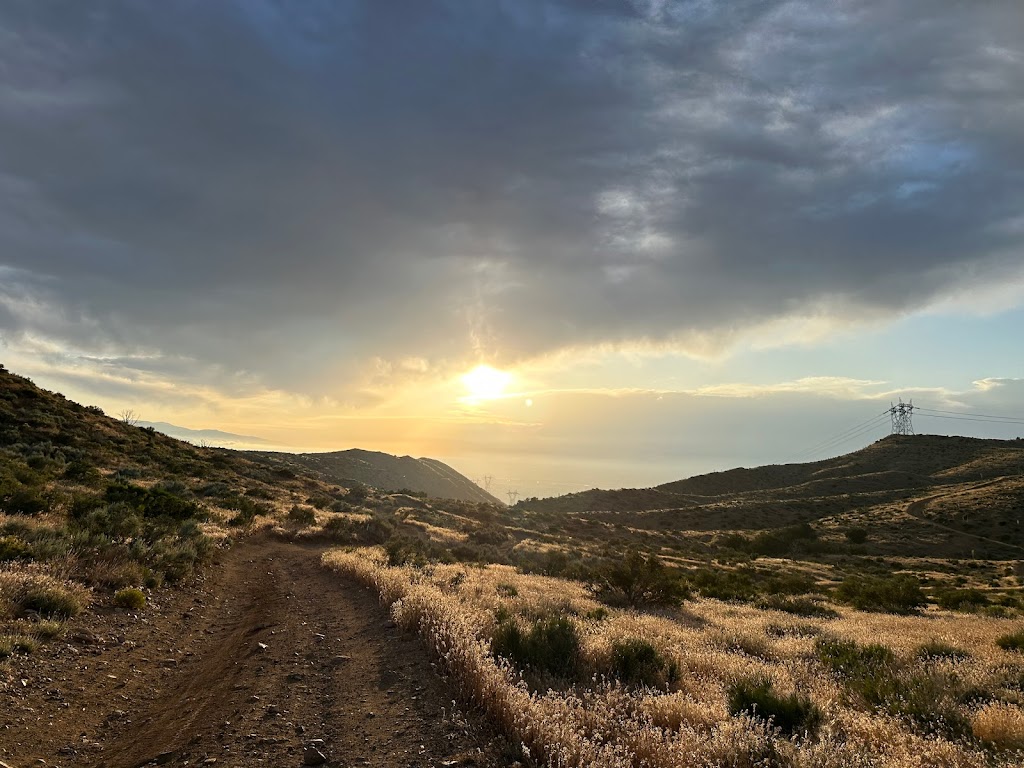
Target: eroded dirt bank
{"x":269,"y":655}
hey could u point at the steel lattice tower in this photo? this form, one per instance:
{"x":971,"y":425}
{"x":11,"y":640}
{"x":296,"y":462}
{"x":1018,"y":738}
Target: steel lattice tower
{"x":902,"y":414}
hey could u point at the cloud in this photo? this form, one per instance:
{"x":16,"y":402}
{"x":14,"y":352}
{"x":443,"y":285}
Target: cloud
{"x":291,"y":194}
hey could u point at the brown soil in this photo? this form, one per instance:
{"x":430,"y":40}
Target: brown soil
{"x":267,"y":654}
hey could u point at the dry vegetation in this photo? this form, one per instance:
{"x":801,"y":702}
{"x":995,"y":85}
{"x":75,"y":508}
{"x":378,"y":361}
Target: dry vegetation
{"x":865,"y":611}
{"x":97,"y":511}
{"x":949,"y":695}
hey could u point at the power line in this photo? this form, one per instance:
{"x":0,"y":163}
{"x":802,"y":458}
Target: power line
{"x":844,"y":438}
{"x":866,"y":430}
{"x":847,"y":434}
{"x":971,"y":413}
{"x":969,"y":418}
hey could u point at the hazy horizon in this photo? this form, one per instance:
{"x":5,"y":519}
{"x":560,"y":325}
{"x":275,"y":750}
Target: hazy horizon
{"x":561,"y":244}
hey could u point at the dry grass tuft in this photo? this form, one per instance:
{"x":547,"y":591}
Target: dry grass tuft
{"x":1000,"y":724}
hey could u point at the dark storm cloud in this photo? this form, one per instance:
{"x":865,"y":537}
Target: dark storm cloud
{"x":276,"y":187}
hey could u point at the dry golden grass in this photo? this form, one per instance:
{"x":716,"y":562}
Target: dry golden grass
{"x":602,"y":723}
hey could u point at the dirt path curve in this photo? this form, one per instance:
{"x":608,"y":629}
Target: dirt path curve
{"x":270,"y":655}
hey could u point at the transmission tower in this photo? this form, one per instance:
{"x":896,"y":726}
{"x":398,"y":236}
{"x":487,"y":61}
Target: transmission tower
{"x":902,"y":414}
{"x":512,"y":497}
{"x":487,"y":482}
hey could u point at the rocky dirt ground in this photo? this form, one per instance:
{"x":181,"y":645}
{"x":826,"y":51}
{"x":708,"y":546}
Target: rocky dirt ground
{"x":267,"y":660}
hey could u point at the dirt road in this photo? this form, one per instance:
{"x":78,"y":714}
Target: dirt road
{"x":269,"y":661}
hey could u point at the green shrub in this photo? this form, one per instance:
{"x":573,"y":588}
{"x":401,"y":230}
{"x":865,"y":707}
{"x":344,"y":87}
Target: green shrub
{"x":638,"y":581}
{"x":724,"y":584}
{"x":1014,"y":641}
{"x":13,"y":548}
{"x":896,"y":594}
{"x":246,"y":508}
{"x":407,"y":550}
{"x":937,"y":650}
{"x":780,"y":542}
{"x":873,"y":678}
{"x":849,"y":660}
{"x":800,"y":606}
{"x":357,"y":493}
{"x":82,"y":472}
{"x":552,"y":645}
{"x":130,"y":598}
{"x":857,"y":535}
{"x":792,"y":714}
{"x":47,"y":629}
{"x":25,"y":501}
{"x":301,"y":515}
{"x":50,"y":602}
{"x":118,"y":522}
{"x":637,"y":662}
{"x":11,"y":644}
{"x":153,"y":502}
{"x":969,"y":600}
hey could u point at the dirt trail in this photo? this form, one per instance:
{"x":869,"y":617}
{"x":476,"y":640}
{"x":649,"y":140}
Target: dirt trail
{"x":270,"y":654}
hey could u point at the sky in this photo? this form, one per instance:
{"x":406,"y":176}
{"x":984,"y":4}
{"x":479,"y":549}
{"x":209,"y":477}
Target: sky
{"x":683,"y":236}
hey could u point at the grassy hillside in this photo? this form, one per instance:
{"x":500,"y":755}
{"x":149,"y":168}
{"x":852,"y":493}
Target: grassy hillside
{"x":970,"y":496}
{"x":96,"y":510}
{"x":381,"y":470}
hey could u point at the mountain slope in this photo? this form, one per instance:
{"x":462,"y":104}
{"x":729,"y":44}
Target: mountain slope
{"x":381,"y":470}
{"x":921,"y":494}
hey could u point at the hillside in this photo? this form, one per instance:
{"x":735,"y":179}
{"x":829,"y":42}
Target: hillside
{"x":381,"y":470}
{"x":973,"y":490}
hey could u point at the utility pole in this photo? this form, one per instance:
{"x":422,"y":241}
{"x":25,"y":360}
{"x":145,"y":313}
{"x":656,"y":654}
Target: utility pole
{"x":902,"y":414}
{"x":512,"y":497}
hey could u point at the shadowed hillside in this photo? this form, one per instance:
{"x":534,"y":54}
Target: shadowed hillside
{"x":963,"y":495}
{"x":381,"y":470}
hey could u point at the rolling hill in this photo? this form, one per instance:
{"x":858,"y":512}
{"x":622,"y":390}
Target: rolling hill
{"x":963,"y":495}
{"x":381,"y":470}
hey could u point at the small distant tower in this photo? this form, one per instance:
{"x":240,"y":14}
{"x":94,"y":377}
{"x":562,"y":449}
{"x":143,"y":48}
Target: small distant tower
{"x":512,"y":497}
{"x":902,"y":414}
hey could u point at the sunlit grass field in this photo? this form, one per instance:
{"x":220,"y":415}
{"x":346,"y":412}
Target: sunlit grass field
{"x":709,"y":683}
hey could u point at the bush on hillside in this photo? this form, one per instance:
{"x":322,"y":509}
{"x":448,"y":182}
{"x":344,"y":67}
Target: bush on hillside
{"x":130,"y":598}
{"x":638,"y":662}
{"x":967,"y":600}
{"x":13,"y":548}
{"x":895,"y":594}
{"x":937,"y":650}
{"x":301,"y":515}
{"x":793,"y":714}
{"x":799,"y":606}
{"x":1013,"y":641}
{"x":857,"y":535}
{"x":551,"y":645}
{"x":49,"y":601}
{"x":640,"y":581}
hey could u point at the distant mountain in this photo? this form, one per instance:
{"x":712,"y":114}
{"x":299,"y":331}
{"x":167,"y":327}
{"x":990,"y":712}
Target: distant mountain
{"x":207,"y":436}
{"x":381,"y":470}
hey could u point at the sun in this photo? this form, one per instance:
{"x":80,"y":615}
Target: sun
{"x":485,"y":383}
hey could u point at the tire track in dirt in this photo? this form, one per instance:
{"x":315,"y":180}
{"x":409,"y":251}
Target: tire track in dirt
{"x":276,"y":654}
